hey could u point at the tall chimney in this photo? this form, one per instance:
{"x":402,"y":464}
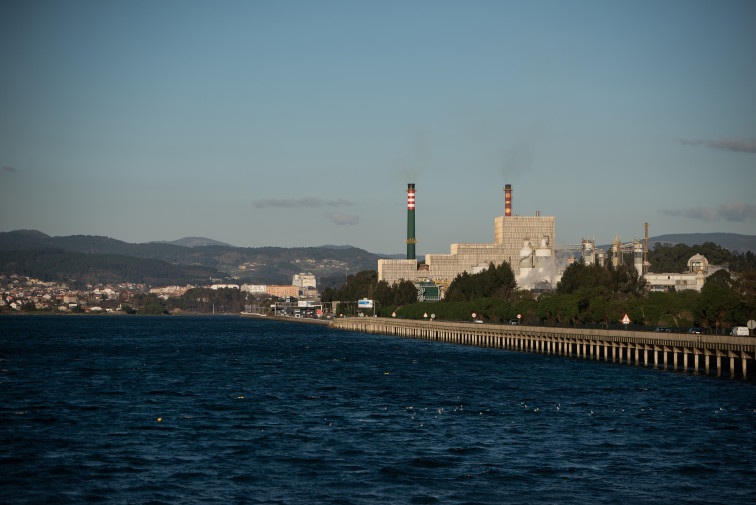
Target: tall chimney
{"x":645,"y":251}
{"x":411,"y":240}
{"x":508,"y":200}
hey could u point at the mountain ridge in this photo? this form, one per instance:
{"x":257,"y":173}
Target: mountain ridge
{"x":262,"y":265}
{"x":192,"y":242}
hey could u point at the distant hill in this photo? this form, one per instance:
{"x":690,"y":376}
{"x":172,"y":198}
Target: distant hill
{"x":193,"y":242}
{"x":57,"y":265}
{"x":264,"y":265}
{"x":733,"y":242}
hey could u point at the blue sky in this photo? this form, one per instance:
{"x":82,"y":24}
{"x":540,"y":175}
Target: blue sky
{"x":299,"y":123}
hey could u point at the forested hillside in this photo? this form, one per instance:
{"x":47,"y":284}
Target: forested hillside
{"x":263,"y":265}
{"x":57,"y":265}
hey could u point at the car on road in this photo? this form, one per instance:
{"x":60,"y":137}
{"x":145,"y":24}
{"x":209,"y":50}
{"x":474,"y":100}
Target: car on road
{"x":663,"y":329}
{"x":514,"y":321}
{"x":695,"y":330}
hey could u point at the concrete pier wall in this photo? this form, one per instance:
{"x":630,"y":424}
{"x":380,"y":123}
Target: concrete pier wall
{"x":724,"y":356}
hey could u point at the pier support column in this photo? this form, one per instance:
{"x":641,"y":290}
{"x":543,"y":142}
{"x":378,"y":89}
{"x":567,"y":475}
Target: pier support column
{"x":745,"y":367}
{"x":674,"y":358}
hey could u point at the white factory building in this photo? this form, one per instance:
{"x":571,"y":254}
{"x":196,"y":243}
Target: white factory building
{"x":527,"y":243}
{"x":693,"y":279}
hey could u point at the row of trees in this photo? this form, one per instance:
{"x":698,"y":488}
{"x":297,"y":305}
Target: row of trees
{"x":198,"y":300}
{"x":365,"y":284}
{"x":675,"y":258}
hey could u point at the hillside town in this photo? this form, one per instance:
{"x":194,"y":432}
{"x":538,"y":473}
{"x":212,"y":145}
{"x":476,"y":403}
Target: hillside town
{"x":20,"y":293}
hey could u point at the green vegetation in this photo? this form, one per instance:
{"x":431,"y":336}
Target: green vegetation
{"x":675,"y":258}
{"x":198,"y":300}
{"x":57,"y":265}
{"x":498,"y":282}
{"x":256,"y":265}
{"x":365,"y":284}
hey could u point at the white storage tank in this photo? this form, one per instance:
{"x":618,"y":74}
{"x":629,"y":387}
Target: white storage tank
{"x":526,"y":264}
{"x":638,"y":256}
{"x":589,"y":252}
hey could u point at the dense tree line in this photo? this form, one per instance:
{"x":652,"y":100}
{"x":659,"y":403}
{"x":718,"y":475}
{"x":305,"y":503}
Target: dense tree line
{"x":617,"y":281}
{"x":495,"y":281}
{"x":196,"y":301}
{"x":365,"y":284}
{"x":674,"y":259}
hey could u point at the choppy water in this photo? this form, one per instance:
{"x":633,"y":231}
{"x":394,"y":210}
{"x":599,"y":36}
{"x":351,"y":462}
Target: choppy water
{"x":229,"y":410}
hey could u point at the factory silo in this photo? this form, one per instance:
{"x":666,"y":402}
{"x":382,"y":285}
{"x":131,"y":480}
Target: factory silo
{"x":526,"y":264}
{"x":638,"y":256}
{"x":589,"y":252}
{"x":616,"y":252}
{"x":543,"y":255}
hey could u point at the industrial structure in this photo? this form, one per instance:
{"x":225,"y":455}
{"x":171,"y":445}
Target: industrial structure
{"x":693,"y":279}
{"x":411,"y":240}
{"x":526,"y":243}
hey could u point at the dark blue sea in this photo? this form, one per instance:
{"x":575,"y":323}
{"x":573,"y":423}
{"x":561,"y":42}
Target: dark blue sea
{"x":195,"y":410}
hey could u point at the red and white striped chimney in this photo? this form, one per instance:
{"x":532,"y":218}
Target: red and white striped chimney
{"x":411,"y":240}
{"x":508,"y":200}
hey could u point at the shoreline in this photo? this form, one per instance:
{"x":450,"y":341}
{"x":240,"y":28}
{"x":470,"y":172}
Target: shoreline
{"x":286,"y":319}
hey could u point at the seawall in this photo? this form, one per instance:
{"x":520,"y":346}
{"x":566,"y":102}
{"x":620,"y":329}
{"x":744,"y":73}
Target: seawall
{"x":300,"y":320}
{"x":720,"y":355}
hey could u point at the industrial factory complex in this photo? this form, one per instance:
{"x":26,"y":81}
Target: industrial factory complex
{"x":528,"y":244}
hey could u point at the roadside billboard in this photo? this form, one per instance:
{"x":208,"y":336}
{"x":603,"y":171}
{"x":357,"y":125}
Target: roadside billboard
{"x":365,"y":304}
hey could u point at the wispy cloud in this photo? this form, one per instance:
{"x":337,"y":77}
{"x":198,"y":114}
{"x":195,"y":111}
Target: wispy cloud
{"x":7,"y":168}
{"x":731,"y":144}
{"x":343,"y":219}
{"x":730,"y":211}
{"x":300,"y":203}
